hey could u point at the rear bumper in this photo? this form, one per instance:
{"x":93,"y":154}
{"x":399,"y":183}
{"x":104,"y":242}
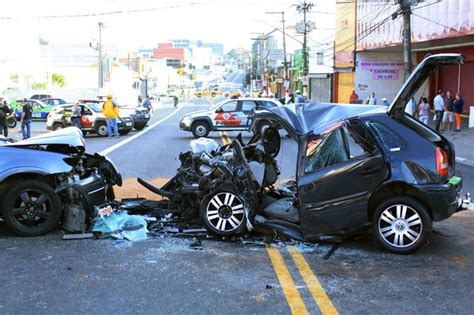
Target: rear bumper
{"x":443,"y":199}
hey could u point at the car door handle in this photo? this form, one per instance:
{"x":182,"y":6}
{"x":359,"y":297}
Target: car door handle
{"x":371,"y":170}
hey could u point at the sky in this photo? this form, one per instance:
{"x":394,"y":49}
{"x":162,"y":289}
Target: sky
{"x":144,"y":23}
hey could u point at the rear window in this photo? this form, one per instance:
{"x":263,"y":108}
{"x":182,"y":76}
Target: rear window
{"x":388,"y":138}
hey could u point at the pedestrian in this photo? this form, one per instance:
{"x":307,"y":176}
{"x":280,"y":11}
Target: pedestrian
{"x":424,"y":111}
{"x":111,"y":113}
{"x":458,"y":106}
{"x":448,"y":116}
{"x":385,"y":102}
{"x":26,"y":116}
{"x":371,"y":100}
{"x":4,"y":112}
{"x":411,"y":107}
{"x":438,"y":104}
{"x":147,"y":104}
{"x":299,"y":100}
{"x":353,"y":98}
{"x":175,"y":101}
{"x":76,"y":115}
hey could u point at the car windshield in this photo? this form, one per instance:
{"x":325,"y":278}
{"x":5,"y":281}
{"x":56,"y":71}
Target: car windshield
{"x":95,"y":107}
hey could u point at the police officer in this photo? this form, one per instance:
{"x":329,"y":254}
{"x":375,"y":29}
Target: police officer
{"x":4,"y":112}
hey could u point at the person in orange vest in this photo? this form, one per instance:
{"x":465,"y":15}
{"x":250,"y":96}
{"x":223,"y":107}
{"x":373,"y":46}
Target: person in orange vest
{"x":111,"y":113}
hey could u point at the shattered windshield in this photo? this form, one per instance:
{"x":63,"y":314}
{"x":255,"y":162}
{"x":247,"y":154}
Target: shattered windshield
{"x":326,"y":151}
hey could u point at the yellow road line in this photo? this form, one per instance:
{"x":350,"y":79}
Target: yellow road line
{"x":288,"y":286}
{"x":324,"y":303}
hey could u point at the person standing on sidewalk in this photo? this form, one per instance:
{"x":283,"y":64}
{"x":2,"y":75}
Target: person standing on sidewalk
{"x":147,"y":104}
{"x":424,"y":111}
{"x":175,"y":101}
{"x":111,"y":113}
{"x":4,"y":112}
{"x":371,"y":100}
{"x":448,"y":116}
{"x":26,"y":119}
{"x":299,"y":99}
{"x":458,"y":105}
{"x":76,"y":116}
{"x":438,"y":104}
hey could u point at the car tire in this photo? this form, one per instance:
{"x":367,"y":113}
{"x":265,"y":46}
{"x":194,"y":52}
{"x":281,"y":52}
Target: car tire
{"x":140,"y":127}
{"x":124,"y":132}
{"x":58,"y":126}
{"x":11,"y":123}
{"x":101,"y":129}
{"x":84,"y":133}
{"x":222,"y":212}
{"x":200,"y":129}
{"x":25,"y":214}
{"x":401,"y":225}
{"x":262,"y":126}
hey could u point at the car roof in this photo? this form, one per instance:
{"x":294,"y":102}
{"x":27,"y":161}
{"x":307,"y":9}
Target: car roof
{"x":317,"y":117}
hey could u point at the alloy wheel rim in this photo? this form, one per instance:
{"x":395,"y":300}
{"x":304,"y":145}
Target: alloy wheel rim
{"x":225,"y":212}
{"x":400,"y":225}
{"x":102,"y":130}
{"x":31,"y":208}
{"x":200,"y":130}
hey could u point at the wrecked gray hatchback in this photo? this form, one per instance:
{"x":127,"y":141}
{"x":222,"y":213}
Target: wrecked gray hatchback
{"x":358,"y":168}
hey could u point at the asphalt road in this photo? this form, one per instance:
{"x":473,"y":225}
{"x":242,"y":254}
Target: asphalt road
{"x":166,"y":275}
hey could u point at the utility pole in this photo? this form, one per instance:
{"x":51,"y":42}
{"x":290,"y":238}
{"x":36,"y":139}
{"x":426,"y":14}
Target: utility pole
{"x":304,"y":8}
{"x":100,"y":64}
{"x":405,"y":8}
{"x":285,"y":64}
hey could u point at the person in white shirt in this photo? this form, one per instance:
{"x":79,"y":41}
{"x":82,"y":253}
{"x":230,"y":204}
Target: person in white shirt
{"x":438,"y":105}
{"x":411,"y":106}
{"x":371,"y":100}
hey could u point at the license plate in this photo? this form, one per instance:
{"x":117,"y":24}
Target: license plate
{"x":128,"y":124}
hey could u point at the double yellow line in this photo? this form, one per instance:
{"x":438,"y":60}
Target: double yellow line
{"x":287,"y":283}
{"x":288,"y":286}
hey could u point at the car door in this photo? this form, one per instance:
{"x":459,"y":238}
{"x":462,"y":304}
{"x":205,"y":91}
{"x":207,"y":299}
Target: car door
{"x":87,"y":117}
{"x":339,"y":171}
{"x":247,"y":107}
{"x":36,"y":109}
{"x":226,"y":116}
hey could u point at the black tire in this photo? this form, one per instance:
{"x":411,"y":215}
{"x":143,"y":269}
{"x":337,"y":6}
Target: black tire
{"x":24,"y":214}
{"x":401,"y":225}
{"x":101,"y":129}
{"x":57,"y":126}
{"x":200,"y":129}
{"x":11,"y":123}
{"x":213,"y":94}
{"x":140,"y":127}
{"x":124,"y":132}
{"x":229,"y":217}
{"x":84,"y":132}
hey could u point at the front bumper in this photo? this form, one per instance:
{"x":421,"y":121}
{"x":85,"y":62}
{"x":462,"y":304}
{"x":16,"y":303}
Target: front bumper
{"x":443,"y":199}
{"x":184,"y":127}
{"x":140,"y":120}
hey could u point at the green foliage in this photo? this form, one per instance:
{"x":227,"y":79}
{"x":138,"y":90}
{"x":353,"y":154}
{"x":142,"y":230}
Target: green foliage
{"x":39,"y":85}
{"x":58,"y":80}
{"x":14,"y":77}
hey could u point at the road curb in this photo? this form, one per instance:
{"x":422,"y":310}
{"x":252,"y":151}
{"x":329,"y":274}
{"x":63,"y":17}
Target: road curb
{"x":464,"y":161}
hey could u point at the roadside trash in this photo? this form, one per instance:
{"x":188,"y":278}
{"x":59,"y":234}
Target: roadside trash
{"x":196,"y":244}
{"x":268,"y":287}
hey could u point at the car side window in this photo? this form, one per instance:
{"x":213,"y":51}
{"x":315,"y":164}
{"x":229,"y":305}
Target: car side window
{"x":325,"y":151}
{"x":358,"y":139}
{"x":85,"y":110}
{"x":247,"y":106}
{"x":228,"y":107}
{"x":267,"y":104}
{"x":386,"y":136}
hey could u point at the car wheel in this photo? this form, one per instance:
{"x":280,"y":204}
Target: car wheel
{"x":401,"y":225}
{"x":222,"y":212}
{"x":200,"y":129}
{"x":11,"y":123}
{"x":124,"y":132}
{"x":102,"y":129}
{"x":140,"y":127}
{"x":31,"y":208}
{"x":58,"y":126}
{"x":84,"y":133}
{"x":262,"y":126}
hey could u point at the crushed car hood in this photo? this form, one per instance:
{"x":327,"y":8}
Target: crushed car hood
{"x":313,"y":117}
{"x":70,"y":136}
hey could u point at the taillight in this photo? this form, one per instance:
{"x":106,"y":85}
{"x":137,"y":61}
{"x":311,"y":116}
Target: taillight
{"x":442,"y":165}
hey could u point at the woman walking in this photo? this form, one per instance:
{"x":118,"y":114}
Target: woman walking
{"x":424,"y":111}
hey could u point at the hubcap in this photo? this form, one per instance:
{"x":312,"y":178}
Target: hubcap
{"x":201,"y":130}
{"x":31,"y":208}
{"x":225,"y":212}
{"x":400,"y":225}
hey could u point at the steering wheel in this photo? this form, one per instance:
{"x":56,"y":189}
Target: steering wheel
{"x":271,"y":141}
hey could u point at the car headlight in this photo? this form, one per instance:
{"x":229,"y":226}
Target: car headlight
{"x":187,"y":121}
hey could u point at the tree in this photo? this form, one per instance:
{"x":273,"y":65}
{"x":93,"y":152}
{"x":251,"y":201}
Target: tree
{"x":39,"y":85}
{"x":58,"y":80}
